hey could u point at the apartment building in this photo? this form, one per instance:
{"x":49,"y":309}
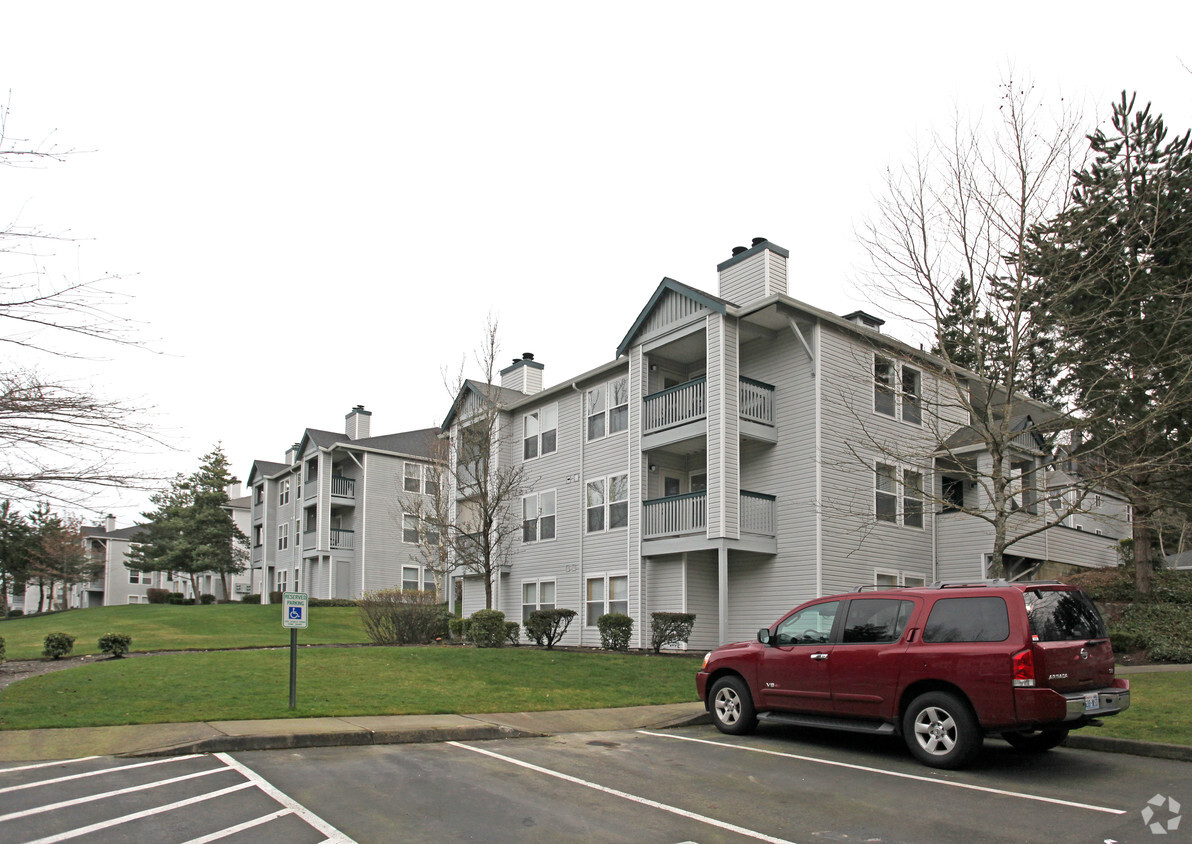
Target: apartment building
{"x":745,"y":452}
{"x":328,"y":519}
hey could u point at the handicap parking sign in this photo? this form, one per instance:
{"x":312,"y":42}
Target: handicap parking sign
{"x":294,"y":612}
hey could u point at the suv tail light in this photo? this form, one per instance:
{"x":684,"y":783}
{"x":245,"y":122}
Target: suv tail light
{"x":1024,"y":669}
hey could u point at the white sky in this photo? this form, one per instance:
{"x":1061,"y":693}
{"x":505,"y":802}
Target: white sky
{"x":317,"y":205}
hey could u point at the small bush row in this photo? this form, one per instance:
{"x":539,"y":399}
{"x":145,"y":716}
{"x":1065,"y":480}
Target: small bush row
{"x":546,"y":628}
{"x":403,"y":617}
{"x":58,"y":645}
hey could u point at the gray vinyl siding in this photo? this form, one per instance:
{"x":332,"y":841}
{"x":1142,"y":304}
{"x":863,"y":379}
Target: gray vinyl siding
{"x":745,"y":282}
{"x":702,"y":589}
{"x":723,"y":422}
{"x":672,"y":309}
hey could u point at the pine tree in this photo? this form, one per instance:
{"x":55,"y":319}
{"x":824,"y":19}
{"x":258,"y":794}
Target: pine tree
{"x":1116,"y":270}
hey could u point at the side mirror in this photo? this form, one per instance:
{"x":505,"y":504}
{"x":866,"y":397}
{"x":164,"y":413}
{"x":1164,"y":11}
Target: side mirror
{"x":763,"y":635}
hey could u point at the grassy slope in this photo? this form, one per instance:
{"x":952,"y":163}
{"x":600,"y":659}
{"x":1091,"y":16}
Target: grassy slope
{"x":165,"y":627}
{"x":337,"y":681}
{"x":1158,"y":710}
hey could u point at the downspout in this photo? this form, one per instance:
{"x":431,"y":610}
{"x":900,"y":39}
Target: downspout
{"x":580,"y":566}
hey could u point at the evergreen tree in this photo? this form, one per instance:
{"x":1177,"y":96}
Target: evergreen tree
{"x":1116,"y":285}
{"x":190,"y":530}
{"x":15,"y":552}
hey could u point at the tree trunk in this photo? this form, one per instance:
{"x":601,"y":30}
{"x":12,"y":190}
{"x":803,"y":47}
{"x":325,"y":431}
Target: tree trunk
{"x":1143,"y":564}
{"x":223,"y":581}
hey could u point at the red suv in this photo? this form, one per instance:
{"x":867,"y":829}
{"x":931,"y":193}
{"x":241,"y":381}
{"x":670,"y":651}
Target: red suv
{"x":941,"y":665}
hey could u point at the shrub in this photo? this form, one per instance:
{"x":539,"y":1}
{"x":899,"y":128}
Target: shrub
{"x":14,"y":613}
{"x":254,"y":598}
{"x":1165,"y":630}
{"x":488,"y":628}
{"x":176,"y":598}
{"x":206,"y":598}
{"x":116,"y":644}
{"x":512,"y":632}
{"x":275,"y":597}
{"x":1,"y":649}
{"x":546,"y":627}
{"x":461,"y":628}
{"x":332,"y":602}
{"x":58,"y":645}
{"x":670,"y":628}
{"x":157,"y":596}
{"x":616,"y":629}
{"x":397,"y":617}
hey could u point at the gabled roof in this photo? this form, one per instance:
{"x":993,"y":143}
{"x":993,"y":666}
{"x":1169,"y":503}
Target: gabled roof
{"x":706,"y":300}
{"x":968,"y":436}
{"x":503,"y":396}
{"x":265,"y":469}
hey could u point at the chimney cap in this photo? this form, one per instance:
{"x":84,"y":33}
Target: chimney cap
{"x":758,"y":240}
{"x":737,"y":250}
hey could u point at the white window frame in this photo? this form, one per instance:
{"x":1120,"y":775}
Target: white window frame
{"x":538,"y":603}
{"x":539,"y":442}
{"x":416,"y":477}
{"x":605,"y":602}
{"x":134,"y":576}
{"x":898,"y":476}
{"x":607,"y":409}
{"x":283,"y":492}
{"x":405,"y":529}
{"x":417,"y":579}
{"x":900,"y":579}
{"x":606,"y":504}
{"x":900,"y":398}
{"x":283,"y":536}
{"x":536,"y":503}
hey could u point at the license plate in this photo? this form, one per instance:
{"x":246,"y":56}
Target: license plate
{"x":1092,"y":701}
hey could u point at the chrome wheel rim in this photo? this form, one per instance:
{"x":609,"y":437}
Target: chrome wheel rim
{"x":935,"y":731}
{"x":728,"y":706}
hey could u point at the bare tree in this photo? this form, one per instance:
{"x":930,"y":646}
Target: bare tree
{"x":477,"y":518}
{"x":942,"y":249}
{"x":59,"y":439}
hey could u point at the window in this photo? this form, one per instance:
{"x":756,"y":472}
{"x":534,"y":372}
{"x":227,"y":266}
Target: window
{"x":283,"y":536}
{"x":413,"y":478}
{"x":537,"y":595}
{"x":968,"y":620}
{"x":312,"y":471}
{"x":809,"y":626}
{"x":283,"y":493}
{"x":883,"y":386}
{"x":1021,"y":488}
{"x":409,"y":578}
{"x":281,"y":580}
{"x":258,"y":535}
{"x":898,"y":495}
{"x":540,"y":431}
{"x":260,"y":494}
{"x":608,"y":408}
{"x":134,"y":599}
{"x":409,"y":528}
{"x":912,"y":383}
{"x":538,"y":516}
{"x":606,"y":595}
{"x":875,"y":620}
{"x":608,"y":503}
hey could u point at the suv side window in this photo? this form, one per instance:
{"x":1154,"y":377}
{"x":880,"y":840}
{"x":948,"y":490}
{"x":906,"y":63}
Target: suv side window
{"x":876,"y":620}
{"x":968,"y":620}
{"x":810,"y":626}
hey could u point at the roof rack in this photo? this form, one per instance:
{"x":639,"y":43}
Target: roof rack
{"x":876,"y":587}
{"x":991,"y":582}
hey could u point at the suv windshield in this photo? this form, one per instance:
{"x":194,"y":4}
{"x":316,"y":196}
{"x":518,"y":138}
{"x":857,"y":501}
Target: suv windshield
{"x":1060,"y":615}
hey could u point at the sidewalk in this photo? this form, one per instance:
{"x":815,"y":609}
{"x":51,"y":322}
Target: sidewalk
{"x":227,"y":736}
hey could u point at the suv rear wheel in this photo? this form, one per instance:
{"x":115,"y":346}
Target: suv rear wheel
{"x":940,"y":730}
{"x":732,"y":706}
{"x":1036,"y":741}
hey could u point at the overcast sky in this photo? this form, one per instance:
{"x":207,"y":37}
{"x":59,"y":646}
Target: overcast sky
{"x":314,"y":206}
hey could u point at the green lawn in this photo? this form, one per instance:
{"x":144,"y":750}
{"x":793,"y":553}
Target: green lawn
{"x":155,"y":627}
{"x":1158,"y":710}
{"x":342,"y":681}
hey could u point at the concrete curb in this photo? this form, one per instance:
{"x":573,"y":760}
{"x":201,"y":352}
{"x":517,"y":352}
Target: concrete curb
{"x":1154,"y":750}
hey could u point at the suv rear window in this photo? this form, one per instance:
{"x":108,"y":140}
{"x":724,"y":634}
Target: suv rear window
{"x":968,"y":620}
{"x":1060,"y":615}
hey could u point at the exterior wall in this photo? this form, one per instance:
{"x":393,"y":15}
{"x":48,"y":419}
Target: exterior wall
{"x":702,"y":588}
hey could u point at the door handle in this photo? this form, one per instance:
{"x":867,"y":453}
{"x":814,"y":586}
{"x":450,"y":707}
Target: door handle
{"x":819,"y":656}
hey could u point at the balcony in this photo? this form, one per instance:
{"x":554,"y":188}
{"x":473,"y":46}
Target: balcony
{"x":687,"y":515}
{"x":343,"y":540}
{"x":687,"y":404}
{"x":343,"y":487}
{"x":674,"y":406}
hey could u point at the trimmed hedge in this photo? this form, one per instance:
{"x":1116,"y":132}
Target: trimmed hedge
{"x":616,"y":629}
{"x":512,"y":633}
{"x":332,"y":602}
{"x":58,"y":645}
{"x":253,"y":598}
{"x":488,"y":628}
{"x":157,"y":596}
{"x":546,"y":627}
{"x":2,"y":657}
{"x":116,"y":644}
{"x":206,"y":598}
{"x":670,"y":628}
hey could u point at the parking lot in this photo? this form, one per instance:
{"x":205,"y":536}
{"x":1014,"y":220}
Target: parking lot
{"x":684,"y":785}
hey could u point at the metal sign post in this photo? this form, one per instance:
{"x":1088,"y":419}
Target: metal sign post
{"x":295,"y":615}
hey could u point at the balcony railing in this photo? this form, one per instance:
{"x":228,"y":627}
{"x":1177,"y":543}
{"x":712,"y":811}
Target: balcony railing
{"x":675,"y":406}
{"x":343,"y":487}
{"x":310,"y":538}
{"x":757,"y":401}
{"x":343,"y":539}
{"x":679,"y":515}
{"x":687,"y":402}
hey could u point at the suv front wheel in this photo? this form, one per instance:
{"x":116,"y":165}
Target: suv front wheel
{"x":940,"y":730}
{"x":732,"y":706}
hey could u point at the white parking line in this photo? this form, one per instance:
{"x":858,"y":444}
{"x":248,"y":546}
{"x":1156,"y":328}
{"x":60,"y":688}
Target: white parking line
{"x":333,"y":834}
{"x":156,"y":810}
{"x":96,"y":773}
{"x":45,"y":764}
{"x":240,"y":827}
{"x":740,"y":830}
{"x":52,"y":807}
{"x":1020,"y":795}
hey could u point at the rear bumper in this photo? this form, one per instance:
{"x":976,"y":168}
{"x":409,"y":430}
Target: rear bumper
{"x":1045,"y":706}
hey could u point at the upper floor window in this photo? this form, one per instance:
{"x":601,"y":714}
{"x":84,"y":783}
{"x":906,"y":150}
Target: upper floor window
{"x":898,"y":495}
{"x":538,"y":516}
{"x":283,"y":536}
{"x":608,"y":503}
{"x":897,"y":392}
{"x":260,"y":494}
{"x":540,"y":430}
{"x":258,"y":535}
{"x":419,"y":477}
{"x":312,"y":471}
{"x":416,"y":531}
{"x":283,"y":493}
{"x":608,"y":408}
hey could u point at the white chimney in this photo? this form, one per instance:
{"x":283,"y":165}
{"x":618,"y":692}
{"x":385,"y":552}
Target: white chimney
{"x":358,"y":424}
{"x":524,"y":375}
{"x":865,"y":320}
{"x":753,"y":272}
{"x":110,"y":523}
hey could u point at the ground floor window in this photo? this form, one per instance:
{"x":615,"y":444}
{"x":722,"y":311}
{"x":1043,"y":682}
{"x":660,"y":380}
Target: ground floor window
{"x":606,"y":594}
{"x":414,"y":578}
{"x":537,"y":595}
{"x":893,"y":579}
